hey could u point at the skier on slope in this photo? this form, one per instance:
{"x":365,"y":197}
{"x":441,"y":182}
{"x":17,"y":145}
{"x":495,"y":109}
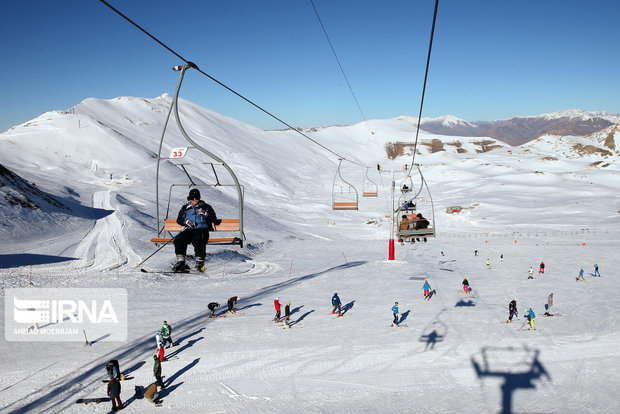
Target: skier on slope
{"x":212,"y":307}
{"x":395,"y":312}
{"x":466,"y":288}
{"x":530,"y":315}
{"x":530,"y":273}
{"x":114,"y":392}
{"x":113,"y":370}
{"x":580,"y":277}
{"x":166,"y":331}
{"x":287,"y":311}
{"x":541,"y":269}
{"x":160,"y":345}
{"x":427,"y":290}
{"x":198,"y":218}
{"x":596,"y":272}
{"x":276,"y":304}
{"x":157,"y":372}
{"x":512,"y":309}
{"x":231,"y":304}
{"x":488,"y":263}
{"x":549,"y":305}
{"x":336,"y":304}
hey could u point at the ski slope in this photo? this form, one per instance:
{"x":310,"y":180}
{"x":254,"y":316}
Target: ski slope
{"x":456,"y":352}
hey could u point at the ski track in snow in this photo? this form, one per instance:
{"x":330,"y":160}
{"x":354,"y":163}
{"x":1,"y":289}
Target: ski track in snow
{"x":105,"y":246}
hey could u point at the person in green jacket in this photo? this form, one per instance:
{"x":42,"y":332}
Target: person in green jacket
{"x":166,"y":331}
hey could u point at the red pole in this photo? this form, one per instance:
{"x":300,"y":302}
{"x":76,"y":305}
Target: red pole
{"x":391,"y":257}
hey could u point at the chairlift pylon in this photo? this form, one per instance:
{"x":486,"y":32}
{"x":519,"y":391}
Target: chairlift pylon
{"x":169,"y":225}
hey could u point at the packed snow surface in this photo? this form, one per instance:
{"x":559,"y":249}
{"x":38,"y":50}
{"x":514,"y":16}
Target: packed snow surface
{"x":453,"y":353}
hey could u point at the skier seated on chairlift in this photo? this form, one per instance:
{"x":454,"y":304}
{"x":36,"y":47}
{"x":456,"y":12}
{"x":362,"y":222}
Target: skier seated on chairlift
{"x":198,"y":218}
{"x":409,"y":205}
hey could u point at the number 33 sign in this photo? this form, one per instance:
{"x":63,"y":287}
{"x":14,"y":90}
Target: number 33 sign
{"x":178,"y":152}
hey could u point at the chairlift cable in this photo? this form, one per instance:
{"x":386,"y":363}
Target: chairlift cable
{"x":194,"y":66}
{"x":340,"y":66}
{"x":428,"y":61}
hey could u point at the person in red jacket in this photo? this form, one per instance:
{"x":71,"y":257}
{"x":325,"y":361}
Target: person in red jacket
{"x":276,"y":304}
{"x":542,"y":268}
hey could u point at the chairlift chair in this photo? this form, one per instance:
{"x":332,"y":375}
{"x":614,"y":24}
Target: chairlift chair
{"x":370,"y":188}
{"x":168,"y":225}
{"x":421,"y":201}
{"x":344,"y":194}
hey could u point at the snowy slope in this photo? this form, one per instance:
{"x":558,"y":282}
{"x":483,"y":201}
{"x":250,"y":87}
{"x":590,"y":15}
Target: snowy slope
{"x":542,"y":201}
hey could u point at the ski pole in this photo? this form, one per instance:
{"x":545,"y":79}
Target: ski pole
{"x":155,"y":252}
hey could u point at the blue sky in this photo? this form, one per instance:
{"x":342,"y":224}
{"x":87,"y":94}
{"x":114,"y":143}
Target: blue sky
{"x":491,"y":59}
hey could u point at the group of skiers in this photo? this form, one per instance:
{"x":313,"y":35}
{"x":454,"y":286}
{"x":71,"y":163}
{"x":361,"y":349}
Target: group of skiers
{"x":231,"y":306}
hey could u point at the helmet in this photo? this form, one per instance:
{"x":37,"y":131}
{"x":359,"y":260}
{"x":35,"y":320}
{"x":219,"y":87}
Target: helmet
{"x":193,"y":194}
{"x":277,"y":297}
{"x":165,"y":321}
{"x":396,"y":303}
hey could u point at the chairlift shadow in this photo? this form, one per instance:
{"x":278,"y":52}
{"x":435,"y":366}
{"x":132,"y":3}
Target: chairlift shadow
{"x":464,"y":303}
{"x":514,"y":375}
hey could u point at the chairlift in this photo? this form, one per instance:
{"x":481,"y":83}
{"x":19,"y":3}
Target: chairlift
{"x":167,"y":226}
{"x":370,"y":188}
{"x":409,"y":203}
{"x":344,"y":194}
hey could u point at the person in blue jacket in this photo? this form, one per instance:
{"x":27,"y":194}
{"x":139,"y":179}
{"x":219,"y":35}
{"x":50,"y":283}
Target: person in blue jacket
{"x":580,"y":277}
{"x":427,"y":290}
{"x":198,"y":218}
{"x":530,"y":315}
{"x":336,"y":304}
{"x":395,"y":312}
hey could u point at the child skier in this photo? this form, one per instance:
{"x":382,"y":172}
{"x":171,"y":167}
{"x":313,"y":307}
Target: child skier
{"x":336,"y":304}
{"x":530,"y":315}
{"x":530,"y":273}
{"x":512,"y":309}
{"x":596,"y":272}
{"x":231,"y":304}
{"x":212,"y":307}
{"x":166,"y":331}
{"x":488,"y":263}
{"x":580,"y":277}
{"x":114,"y":392}
{"x":395,"y":312}
{"x":466,"y":288}
{"x":276,"y":304}
{"x":427,"y":290}
{"x":541,"y":269}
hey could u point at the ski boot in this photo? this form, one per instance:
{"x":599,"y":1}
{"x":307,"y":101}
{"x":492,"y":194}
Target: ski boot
{"x":200,"y":264}
{"x":180,"y":267}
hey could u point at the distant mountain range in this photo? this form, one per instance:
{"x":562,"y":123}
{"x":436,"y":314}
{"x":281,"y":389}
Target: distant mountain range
{"x":519,"y":130}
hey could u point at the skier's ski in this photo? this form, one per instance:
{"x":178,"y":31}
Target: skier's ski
{"x":122,"y":379}
{"x":92,"y":400}
{"x":171,"y":358}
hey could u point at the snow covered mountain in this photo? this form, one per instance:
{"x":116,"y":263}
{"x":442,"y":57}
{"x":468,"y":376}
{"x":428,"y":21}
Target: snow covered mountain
{"x":519,"y":130}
